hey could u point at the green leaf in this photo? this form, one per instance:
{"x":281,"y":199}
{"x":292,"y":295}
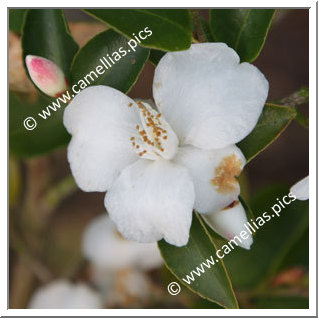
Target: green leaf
{"x":247,"y":208}
{"x":282,"y":302}
{"x":214,"y":284}
{"x":46,"y":34}
{"x":244,"y":30}
{"x":100,"y":50}
{"x":47,"y":136}
{"x":273,"y":241}
{"x":302,"y":119}
{"x":299,"y":253}
{"x":16,"y":17}
{"x":155,"y":56}
{"x":295,"y":100}
{"x":171,"y":28}
{"x":272,"y":122}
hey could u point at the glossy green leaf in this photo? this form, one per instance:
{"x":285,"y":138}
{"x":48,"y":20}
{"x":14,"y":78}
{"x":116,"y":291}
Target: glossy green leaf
{"x":99,"y":52}
{"x":155,"y":56}
{"x":244,"y":30}
{"x":46,"y":34}
{"x":47,"y":136}
{"x":214,"y":283}
{"x":16,"y":17}
{"x":171,"y":28}
{"x":272,"y":241}
{"x":272,"y":122}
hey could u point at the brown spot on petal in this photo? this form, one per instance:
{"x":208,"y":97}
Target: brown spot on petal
{"x":226,"y":173}
{"x":231,"y":205}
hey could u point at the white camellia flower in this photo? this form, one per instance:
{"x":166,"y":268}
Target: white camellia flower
{"x":106,"y":250}
{"x":61,"y":294}
{"x":159,"y":165}
{"x":118,"y":265}
{"x":301,"y":189}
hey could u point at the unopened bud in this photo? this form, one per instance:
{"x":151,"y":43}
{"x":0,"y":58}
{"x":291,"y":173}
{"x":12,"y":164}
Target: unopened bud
{"x":46,"y":75}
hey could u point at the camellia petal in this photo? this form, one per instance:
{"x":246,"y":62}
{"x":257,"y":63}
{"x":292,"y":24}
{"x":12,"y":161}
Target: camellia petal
{"x":61,"y":294}
{"x":46,"y":75}
{"x":301,"y":189}
{"x":210,"y":100}
{"x":102,"y":122}
{"x":101,"y":239}
{"x":214,"y":175}
{"x":229,"y":223}
{"x":152,"y":200}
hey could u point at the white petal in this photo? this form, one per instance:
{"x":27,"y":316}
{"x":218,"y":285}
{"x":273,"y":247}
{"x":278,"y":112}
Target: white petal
{"x":210,"y":100}
{"x":101,"y":123}
{"x":129,"y":288}
{"x":61,"y":294}
{"x":152,"y":200}
{"x":214,"y":175}
{"x":104,"y":247}
{"x":301,"y":189}
{"x":229,"y":223}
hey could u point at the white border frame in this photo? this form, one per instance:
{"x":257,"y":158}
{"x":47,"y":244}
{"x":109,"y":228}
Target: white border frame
{"x":312,"y":165}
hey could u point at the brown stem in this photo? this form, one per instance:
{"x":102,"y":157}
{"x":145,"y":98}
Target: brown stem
{"x":20,"y":292}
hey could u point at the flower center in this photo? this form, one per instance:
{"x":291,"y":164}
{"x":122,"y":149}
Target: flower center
{"x":154,"y":137}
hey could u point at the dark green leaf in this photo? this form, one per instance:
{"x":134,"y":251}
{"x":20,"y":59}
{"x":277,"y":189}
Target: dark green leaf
{"x":16,"y":19}
{"x":46,"y":34}
{"x":301,"y":118}
{"x":102,"y":49}
{"x":299,"y":253}
{"x":273,"y":120}
{"x":244,"y":30}
{"x":155,"y":56}
{"x":295,"y":100}
{"x":248,"y":210}
{"x":48,"y":135}
{"x":171,"y":28}
{"x":214,"y":284}
{"x":272,"y":241}
{"x":282,"y":302}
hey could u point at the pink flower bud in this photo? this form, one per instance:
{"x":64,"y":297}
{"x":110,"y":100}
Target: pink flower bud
{"x":46,"y":75}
